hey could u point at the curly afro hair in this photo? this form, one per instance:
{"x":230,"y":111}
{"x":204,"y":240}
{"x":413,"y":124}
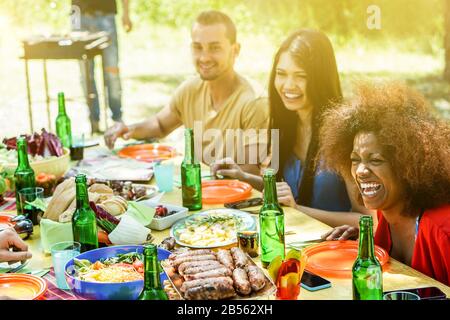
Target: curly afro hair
{"x":416,"y":143}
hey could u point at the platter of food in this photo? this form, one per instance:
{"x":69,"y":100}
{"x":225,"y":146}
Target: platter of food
{"x":205,"y":274}
{"x":211,"y":228}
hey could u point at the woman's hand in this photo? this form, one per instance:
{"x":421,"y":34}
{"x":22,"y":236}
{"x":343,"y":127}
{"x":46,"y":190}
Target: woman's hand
{"x":227,"y":168}
{"x":284,"y":194}
{"x":344,"y":232}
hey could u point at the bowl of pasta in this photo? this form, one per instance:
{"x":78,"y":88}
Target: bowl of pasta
{"x":110,"y":273}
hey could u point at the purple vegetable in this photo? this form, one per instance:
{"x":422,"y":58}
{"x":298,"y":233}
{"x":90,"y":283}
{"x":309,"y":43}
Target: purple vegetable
{"x":44,"y":144}
{"x":102,"y":214}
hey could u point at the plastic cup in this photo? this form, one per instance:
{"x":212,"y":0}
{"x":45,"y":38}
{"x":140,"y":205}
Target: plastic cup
{"x":400,"y":295}
{"x":62,"y":252}
{"x":27,"y":196}
{"x":164,"y":176}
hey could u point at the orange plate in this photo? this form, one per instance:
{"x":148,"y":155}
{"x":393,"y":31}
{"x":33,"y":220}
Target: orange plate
{"x":148,"y":152}
{"x":336,"y":258}
{"x":224,"y":191}
{"x":22,"y":286}
{"x":5,"y":221}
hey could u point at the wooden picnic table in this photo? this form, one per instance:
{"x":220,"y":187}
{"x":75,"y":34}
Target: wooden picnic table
{"x":298,"y":226}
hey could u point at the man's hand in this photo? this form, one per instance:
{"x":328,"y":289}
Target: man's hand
{"x":342,"y":233}
{"x":227,"y":168}
{"x":9,"y":239}
{"x":126,"y":22}
{"x":284,"y":195}
{"x":119,"y":130}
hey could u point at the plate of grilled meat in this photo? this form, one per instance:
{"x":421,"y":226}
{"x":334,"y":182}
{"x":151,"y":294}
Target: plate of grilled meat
{"x":206,"y":274}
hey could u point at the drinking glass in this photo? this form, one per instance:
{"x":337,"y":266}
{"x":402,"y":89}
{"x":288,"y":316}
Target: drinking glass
{"x":400,"y":295}
{"x":289,"y":278}
{"x":62,"y":252}
{"x":26,"y":197}
{"x":77,"y":148}
{"x":164,"y":176}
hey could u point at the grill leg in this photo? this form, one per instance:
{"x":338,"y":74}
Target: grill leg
{"x":47,"y":98}
{"x":30,"y":109}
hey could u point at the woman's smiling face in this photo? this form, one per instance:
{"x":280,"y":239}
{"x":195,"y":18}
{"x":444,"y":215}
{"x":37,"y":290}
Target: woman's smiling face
{"x":377,"y":182}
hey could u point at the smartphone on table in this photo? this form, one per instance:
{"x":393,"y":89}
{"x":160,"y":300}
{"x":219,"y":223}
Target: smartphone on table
{"x":314,"y":282}
{"x":426,"y":293}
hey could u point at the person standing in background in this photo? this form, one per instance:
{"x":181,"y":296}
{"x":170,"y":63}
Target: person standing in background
{"x":97,"y":16}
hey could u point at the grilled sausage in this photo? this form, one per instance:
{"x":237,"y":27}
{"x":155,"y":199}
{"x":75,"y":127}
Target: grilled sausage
{"x":239,"y":257}
{"x":208,"y":289}
{"x":200,"y":268}
{"x":200,"y":282}
{"x":256,"y":277}
{"x":192,"y":264}
{"x":225,"y":258}
{"x":241,"y":283}
{"x":199,"y":252}
{"x":218,"y":272}
{"x":177,"y":262}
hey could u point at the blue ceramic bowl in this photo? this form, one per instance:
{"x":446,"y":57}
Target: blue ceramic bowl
{"x":108,"y":291}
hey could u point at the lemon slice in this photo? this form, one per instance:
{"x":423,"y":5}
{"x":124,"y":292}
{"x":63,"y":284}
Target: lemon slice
{"x":294,"y":254}
{"x":291,"y":278}
{"x":274,"y":266}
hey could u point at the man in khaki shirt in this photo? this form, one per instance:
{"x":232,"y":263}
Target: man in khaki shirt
{"x":222,"y":107}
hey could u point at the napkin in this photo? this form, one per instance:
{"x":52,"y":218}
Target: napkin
{"x":53,"y":232}
{"x":140,"y":212}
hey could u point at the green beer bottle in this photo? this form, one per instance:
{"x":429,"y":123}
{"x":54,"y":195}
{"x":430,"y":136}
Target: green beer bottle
{"x":84,"y":224}
{"x":191,"y":177}
{"x":271,"y":222}
{"x":152,"y":282}
{"x":24,"y":174}
{"x":366,"y":271}
{"x":63,"y":126}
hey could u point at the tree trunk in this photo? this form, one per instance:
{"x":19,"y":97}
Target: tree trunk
{"x":447,"y":40}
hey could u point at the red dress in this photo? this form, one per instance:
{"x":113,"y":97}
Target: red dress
{"x":431,"y":254}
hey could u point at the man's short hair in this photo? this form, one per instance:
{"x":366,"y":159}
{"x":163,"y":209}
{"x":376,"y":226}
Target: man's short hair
{"x":211,"y":17}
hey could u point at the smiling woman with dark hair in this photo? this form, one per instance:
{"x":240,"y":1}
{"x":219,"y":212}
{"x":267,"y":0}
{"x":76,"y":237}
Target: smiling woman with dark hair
{"x":398,"y":154}
{"x":304,"y":83}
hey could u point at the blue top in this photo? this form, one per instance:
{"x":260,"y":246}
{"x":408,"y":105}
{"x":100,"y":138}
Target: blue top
{"x":329,"y":190}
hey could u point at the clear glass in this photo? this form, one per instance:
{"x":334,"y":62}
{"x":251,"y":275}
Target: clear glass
{"x":26,"y":197}
{"x":77,"y":148}
{"x":164,"y":176}
{"x":400,"y":295}
{"x":62,"y":252}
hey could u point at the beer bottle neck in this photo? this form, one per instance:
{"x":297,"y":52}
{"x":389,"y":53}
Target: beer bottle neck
{"x":270,"y":190}
{"x":82,"y":195}
{"x":366,"y":244}
{"x":151,"y":273}
{"x":22,"y":154}
{"x":189,"y":147}
{"x":61,"y":105}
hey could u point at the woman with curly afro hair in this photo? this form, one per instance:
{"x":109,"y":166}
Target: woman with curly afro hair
{"x":397,"y":153}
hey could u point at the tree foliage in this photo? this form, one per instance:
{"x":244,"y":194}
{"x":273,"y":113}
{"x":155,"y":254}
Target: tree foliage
{"x":417,"y":21}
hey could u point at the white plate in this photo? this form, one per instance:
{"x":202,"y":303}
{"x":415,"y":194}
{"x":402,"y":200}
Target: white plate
{"x":248,"y":223}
